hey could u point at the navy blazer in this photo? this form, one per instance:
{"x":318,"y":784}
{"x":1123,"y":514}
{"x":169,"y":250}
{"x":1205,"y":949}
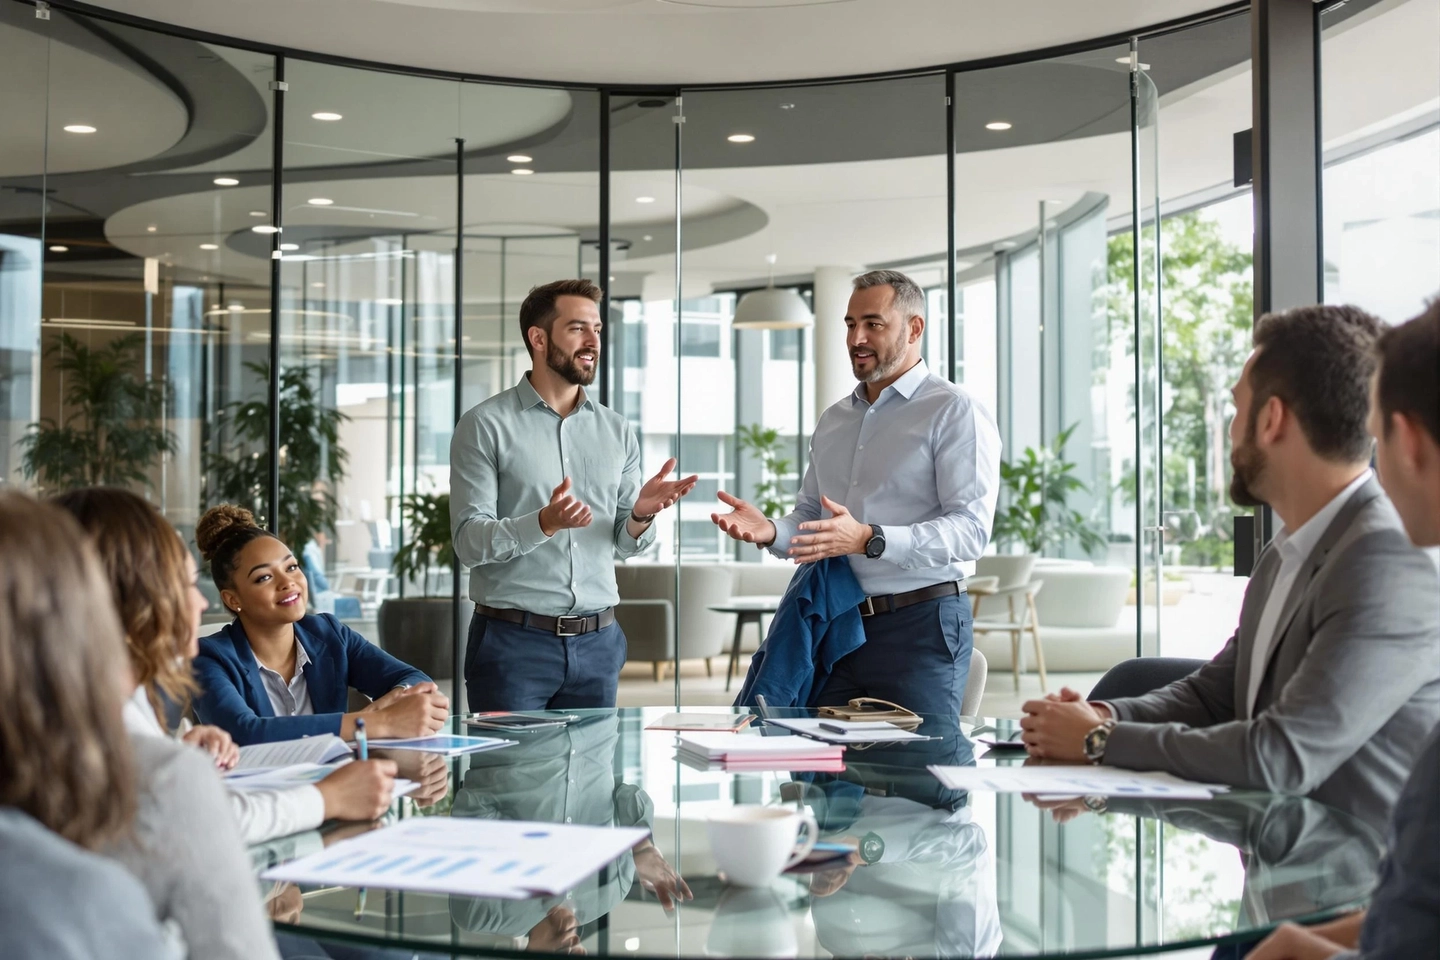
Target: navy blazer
{"x":816,"y":623}
{"x":232,"y":695}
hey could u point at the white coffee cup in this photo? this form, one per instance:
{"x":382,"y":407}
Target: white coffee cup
{"x":752,"y":844}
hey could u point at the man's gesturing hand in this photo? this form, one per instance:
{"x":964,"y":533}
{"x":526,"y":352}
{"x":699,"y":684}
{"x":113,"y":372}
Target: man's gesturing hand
{"x":564,"y":511}
{"x":659,"y":493}
{"x":840,"y":535}
{"x":743,"y":522}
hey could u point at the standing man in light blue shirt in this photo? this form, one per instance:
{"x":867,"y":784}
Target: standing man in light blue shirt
{"x":545,"y":493}
{"x":902,"y":479}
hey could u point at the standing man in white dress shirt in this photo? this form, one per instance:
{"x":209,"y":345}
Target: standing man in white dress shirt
{"x":902,"y":479}
{"x":1331,"y":682}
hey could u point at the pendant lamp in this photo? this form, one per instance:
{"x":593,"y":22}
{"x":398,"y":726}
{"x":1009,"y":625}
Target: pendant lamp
{"x":771,"y":309}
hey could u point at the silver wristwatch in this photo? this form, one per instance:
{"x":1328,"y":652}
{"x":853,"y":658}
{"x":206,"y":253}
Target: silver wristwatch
{"x":1096,"y":740}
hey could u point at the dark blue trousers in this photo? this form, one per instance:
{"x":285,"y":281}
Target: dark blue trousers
{"x":918,"y":657}
{"x":514,"y":667}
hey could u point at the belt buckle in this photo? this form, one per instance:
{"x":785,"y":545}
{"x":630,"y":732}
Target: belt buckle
{"x":562,"y":631}
{"x":867,"y":607}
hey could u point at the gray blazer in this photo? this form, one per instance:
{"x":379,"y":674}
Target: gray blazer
{"x":1351,"y":688}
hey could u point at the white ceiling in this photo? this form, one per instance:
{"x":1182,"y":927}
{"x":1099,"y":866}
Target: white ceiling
{"x":665,"y":41}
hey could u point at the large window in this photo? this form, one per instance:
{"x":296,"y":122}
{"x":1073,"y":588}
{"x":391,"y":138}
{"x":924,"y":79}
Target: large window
{"x":1100,"y":310}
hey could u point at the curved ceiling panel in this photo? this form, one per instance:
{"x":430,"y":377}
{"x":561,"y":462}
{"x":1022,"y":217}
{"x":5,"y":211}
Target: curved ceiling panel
{"x":566,"y":203}
{"x":652,"y":42}
{"x":135,"y":116}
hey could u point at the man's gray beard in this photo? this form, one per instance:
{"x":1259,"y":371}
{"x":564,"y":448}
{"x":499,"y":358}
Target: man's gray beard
{"x":881,"y":371}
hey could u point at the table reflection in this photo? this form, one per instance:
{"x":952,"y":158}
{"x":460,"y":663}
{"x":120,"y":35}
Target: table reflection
{"x":941,"y":873}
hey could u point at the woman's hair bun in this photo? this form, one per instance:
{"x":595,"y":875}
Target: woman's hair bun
{"x":218,"y":524}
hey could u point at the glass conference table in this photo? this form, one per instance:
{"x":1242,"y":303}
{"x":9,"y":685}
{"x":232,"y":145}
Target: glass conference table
{"x":960,"y":875}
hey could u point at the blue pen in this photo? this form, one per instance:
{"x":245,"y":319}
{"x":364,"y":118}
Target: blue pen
{"x":361,"y":744}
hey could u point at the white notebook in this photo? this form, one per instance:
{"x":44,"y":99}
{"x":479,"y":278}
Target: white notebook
{"x":260,"y":757}
{"x":732,"y":747}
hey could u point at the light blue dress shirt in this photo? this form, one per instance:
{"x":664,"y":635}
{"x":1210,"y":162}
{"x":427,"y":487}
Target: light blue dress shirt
{"x":923,"y":462}
{"x":507,"y":456}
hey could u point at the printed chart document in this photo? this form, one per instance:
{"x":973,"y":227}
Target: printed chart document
{"x":508,"y":859}
{"x":287,"y":753}
{"x":848,"y":731}
{"x":444,"y":744}
{"x":717,"y":722}
{"x":1073,"y":781}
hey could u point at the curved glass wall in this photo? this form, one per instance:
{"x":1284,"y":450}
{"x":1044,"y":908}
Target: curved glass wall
{"x":1101,"y":296}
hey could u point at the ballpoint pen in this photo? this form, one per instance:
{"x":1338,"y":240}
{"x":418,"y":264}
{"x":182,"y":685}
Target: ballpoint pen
{"x":360,"y":904}
{"x":362,"y":746}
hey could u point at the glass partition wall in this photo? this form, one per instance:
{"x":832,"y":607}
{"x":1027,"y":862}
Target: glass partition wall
{"x":1100,"y":302}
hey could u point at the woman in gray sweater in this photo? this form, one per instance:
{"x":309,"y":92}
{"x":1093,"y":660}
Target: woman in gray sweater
{"x":72,"y":781}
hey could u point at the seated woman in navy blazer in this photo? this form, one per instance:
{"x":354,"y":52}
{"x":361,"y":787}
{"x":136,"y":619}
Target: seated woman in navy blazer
{"x":276,"y":673}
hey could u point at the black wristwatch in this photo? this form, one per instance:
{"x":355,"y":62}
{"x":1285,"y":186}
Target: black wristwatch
{"x":875,"y":546}
{"x":872,"y":848}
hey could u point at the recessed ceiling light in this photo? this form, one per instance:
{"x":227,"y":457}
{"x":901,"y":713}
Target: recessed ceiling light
{"x":740,"y":138}
{"x":787,"y":106}
{"x":209,"y":246}
{"x":519,"y":158}
{"x":258,"y":213}
{"x":320,"y":201}
{"x":79,"y":128}
{"x":265,"y":228}
{"x":226,"y":182}
{"x":389,"y":302}
{"x":151,"y":229}
{"x":522,"y":171}
{"x":59,"y":248}
{"x":644,"y":199}
{"x":325,"y":115}
{"x":235,"y":307}
{"x":289,"y":246}
{"x":647,"y":238}
{"x":997,"y":125}
{"x":318,"y":284}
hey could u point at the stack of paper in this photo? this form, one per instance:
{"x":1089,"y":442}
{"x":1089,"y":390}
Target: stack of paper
{"x":760,"y":753}
{"x":300,"y":774}
{"x":1053,"y":781}
{"x":288,"y":753}
{"x":475,"y":858}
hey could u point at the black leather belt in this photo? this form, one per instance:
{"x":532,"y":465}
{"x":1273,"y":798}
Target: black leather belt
{"x":560,"y":626}
{"x":896,"y":601}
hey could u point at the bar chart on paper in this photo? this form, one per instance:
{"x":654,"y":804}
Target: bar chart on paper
{"x":477,"y":858}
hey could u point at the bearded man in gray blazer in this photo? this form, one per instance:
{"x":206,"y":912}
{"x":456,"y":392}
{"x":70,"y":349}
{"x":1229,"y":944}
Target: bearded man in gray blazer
{"x":1331,"y":684}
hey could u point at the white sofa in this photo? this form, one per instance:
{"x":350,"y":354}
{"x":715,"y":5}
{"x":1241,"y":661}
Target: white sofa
{"x":1085,"y":625}
{"x":648,"y":614}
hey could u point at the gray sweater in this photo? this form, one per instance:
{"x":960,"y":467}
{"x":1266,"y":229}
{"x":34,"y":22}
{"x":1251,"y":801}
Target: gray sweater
{"x":59,"y":902}
{"x":187,"y":852}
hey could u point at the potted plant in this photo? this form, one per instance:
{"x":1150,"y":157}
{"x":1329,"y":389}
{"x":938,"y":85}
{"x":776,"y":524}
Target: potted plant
{"x":111,"y":430}
{"x":1037,"y":515}
{"x":312,"y":462}
{"x":418,"y":629}
{"x":771,"y":498}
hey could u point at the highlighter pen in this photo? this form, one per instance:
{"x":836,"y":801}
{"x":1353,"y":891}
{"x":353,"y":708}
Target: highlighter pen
{"x":362,"y":745}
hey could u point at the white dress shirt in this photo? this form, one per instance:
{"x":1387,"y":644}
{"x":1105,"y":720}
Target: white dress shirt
{"x":288,"y":699}
{"x":261,"y":814}
{"x":922,"y":462}
{"x":1294,"y":548}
